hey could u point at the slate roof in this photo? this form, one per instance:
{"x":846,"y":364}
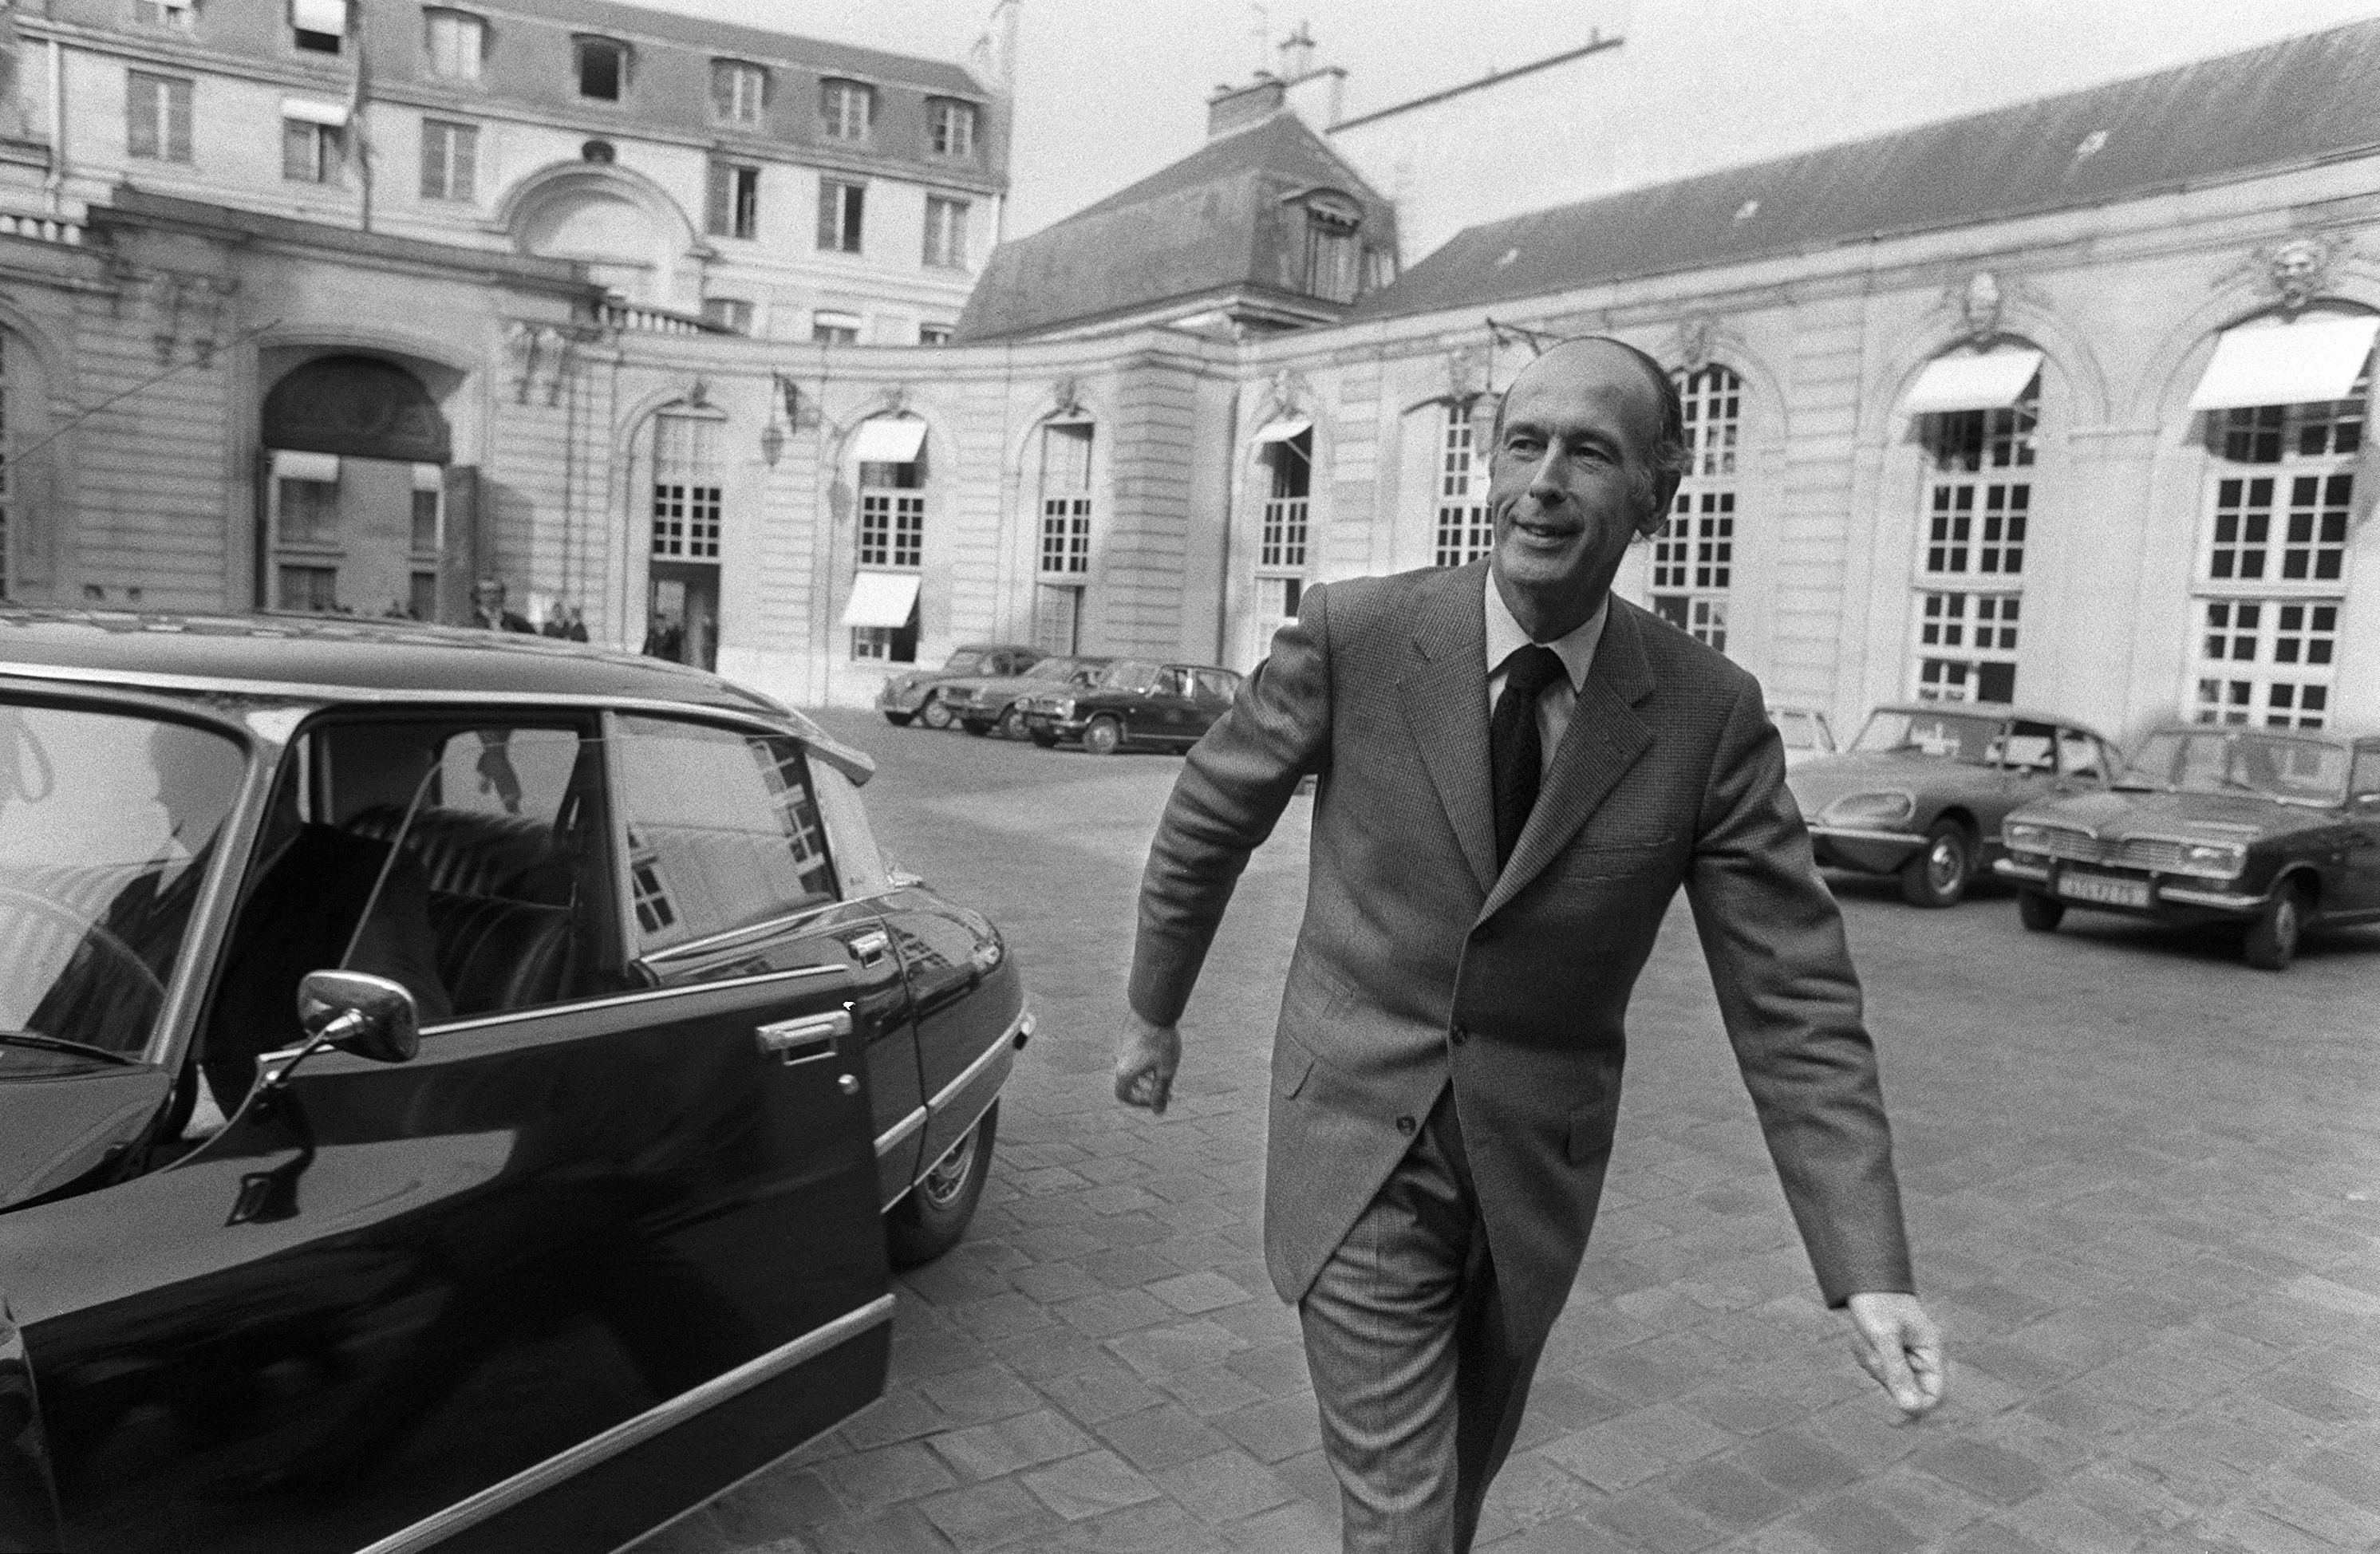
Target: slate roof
{"x":760,"y":44}
{"x":2293,"y":102}
{"x":1194,"y":229}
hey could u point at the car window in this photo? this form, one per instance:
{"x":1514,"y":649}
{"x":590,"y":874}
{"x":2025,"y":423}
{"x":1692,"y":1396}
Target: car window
{"x":1218,"y":684}
{"x":2027,"y":746}
{"x":1961,"y":737}
{"x":858,"y":863}
{"x":723,"y":831}
{"x":1174,"y":682}
{"x":1128,"y":675}
{"x":968,"y":661}
{"x":2078,"y":755}
{"x":106,"y":824}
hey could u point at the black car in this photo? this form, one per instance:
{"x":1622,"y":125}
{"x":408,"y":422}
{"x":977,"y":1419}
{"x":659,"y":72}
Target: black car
{"x":2276,"y":829}
{"x":1134,"y":701}
{"x":455,"y":1089}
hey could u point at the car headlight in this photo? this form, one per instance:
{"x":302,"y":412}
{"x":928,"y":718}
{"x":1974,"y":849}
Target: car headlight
{"x":1871,"y":809}
{"x":2225,"y":859}
{"x":1060,"y":706}
{"x":2018,"y":837}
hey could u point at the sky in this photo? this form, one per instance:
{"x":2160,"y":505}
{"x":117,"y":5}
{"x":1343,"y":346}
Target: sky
{"x":1111,"y":91}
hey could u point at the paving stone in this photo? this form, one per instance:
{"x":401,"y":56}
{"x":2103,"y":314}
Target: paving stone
{"x":1728,"y":1494}
{"x":867,"y":1481}
{"x":1980,"y":1468}
{"x":1276,"y":1429}
{"x":1193,"y":1293}
{"x":974,"y":1397}
{"x":1224,"y":1487}
{"x":1087,"y":1484}
{"x":1007,"y":1445}
{"x":997,"y":1514}
{"x":1160,"y":1436}
{"x":1852,"y":1525}
{"x":1649,"y":1519}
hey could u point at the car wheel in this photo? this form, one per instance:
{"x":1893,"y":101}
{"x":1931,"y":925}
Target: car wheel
{"x":1012,"y":724}
{"x":934,"y":714}
{"x":1937,"y":876}
{"x":2272,"y":937}
{"x":2039,"y":913}
{"x":1104,"y":737}
{"x":931,"y":1218}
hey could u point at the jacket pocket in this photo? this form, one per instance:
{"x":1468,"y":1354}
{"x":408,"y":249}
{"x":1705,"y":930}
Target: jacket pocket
{"x":1291,"y":1064}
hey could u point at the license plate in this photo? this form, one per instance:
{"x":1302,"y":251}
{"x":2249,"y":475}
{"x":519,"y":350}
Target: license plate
{"x":2106,"y":890}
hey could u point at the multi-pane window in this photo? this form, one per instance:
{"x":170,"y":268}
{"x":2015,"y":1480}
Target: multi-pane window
{"x":950,"y":126}
{"x":457,"y":42}
{"x":892,"y":513}
{"x":732,"y":209}
{"x":834,"y":329}
{"x":685,"y":487}
{"x":1282,"y":540}
{"x":946,"y":225}
{"x":728,"y":312}
{"x":602,"y":68}
{"x":180,"y":15}
{"x":739,"y":92}
{"x":157,"y":116}
{"x":1974,"y":533}
{"x":450,"y":161}
{"x":309,"y":587}
{"x":1066,"y":500}
{"x":935,"y":333}
{"x":847,"y":109}
{"x":841,"y":206}
{"x":312,"y":153}
{"x":1465,"y":531}
{"x":2272,"y":576}
{"x":1333,"y":259}
{"x":1694,"y":556}
{"x":319,"y":25}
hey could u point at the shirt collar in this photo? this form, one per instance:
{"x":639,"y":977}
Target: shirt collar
{"x":1576,"y":649}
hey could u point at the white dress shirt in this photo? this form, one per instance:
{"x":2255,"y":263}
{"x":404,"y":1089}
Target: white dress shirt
{"x":1576,"y":650}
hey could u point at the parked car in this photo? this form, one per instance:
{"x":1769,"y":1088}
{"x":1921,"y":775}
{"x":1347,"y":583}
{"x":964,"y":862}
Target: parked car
{"x":920,"y":693}
{"x":2276,"y":829}
{"x":1134,"y":701}
{"x":1805,"y":731}
{"x":1923,"y":790}
{"x":455,"y":1088}
{"x":984,"y":706}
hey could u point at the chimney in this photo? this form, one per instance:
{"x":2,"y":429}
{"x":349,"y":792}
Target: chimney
{"x":1297,"y":54}
{"x":1235,"y":108}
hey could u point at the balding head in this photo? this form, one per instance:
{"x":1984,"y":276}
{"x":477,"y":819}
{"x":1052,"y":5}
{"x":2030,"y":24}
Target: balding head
{"x":1669,"y":457}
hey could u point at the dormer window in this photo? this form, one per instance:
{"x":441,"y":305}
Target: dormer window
{"x":1332,"y":255}
{"x":180,"y":15}
{"x":319,"y":25}
{"x":739,"y":92}
{"x":847,"y":109}
{"x":456,"y":42}
{"x":950,"y":126}
{"x":602,"y":68}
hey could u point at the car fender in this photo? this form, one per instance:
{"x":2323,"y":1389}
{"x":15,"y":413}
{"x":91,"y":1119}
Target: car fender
{"x":28,"y":1499}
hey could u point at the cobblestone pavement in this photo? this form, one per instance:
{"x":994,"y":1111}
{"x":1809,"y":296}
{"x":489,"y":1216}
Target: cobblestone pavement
{"x":2143,"y":1182}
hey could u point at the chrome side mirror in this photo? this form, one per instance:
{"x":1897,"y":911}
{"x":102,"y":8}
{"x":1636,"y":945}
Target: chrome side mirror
{"x":370,"y":1016}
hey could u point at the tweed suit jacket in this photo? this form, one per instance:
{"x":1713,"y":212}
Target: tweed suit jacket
{"x":1419,"y":964}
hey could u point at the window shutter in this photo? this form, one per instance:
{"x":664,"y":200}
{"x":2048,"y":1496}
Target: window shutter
{"x":828,"y":229}
{"x":722,"y":90}
{"x":719,"y":205}
{"x":435,"y":144}
{"x":462,"y":163}
{"x":177,"y":133}
{"x":297,"y":150}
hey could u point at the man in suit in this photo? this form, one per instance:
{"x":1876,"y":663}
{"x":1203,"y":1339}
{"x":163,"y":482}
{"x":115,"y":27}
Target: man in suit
{"x":1516,"y":774}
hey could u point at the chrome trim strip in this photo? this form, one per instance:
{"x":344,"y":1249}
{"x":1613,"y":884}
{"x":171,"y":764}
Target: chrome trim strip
{"x":502,"y":1496}
{"x":890,"y":1139}
{"x":643,"y":995}
{"x":974,"y":1070}
{"x":2211,"y":898}
{"x":366,"y":696}
{"x":1858,"y":834}
{"x":726,"y":937}
{"x":2018,"y":870}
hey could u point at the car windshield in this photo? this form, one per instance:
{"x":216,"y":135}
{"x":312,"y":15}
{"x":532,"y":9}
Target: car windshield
{"x":106,"y":823}
{"x":2277,"y":765}
{"x":1951,"y":736}
{"x":1127,"y":675}
{"x":966,"y":660}
{"x":1051,"y":669}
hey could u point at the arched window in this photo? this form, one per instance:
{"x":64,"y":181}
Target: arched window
{"x":1465,"y":532}
{"x":1980,"y":416}
{"x":2271,"y":581}
{"x":1693,"y":556}
{"x":1064,"y":557}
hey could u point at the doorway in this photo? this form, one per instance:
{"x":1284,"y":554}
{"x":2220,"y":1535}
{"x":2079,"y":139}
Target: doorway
{"x":683,"y":608}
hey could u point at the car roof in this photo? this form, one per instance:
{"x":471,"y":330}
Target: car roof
{"x":2357,"y":736}
{"x":340,"y":658}
{"x":1990,"y":710}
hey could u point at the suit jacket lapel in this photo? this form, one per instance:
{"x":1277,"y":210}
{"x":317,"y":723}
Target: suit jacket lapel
{"x":1605,"y":738}
{"x":1446,"y":708}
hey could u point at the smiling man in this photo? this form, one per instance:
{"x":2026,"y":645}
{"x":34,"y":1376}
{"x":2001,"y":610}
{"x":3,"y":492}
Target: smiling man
{"x":1517,"y":772}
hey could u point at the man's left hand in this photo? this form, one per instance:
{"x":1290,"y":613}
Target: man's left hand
{"x":1897,"y":1343}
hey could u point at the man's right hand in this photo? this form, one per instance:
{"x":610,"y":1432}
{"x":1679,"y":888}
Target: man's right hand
{"x":1146,"y":1056}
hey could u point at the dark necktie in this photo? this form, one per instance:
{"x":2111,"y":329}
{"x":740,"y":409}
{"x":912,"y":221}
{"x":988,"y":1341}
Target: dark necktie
{"x":1514,"y":751}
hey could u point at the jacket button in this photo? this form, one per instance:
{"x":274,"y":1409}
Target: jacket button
{"x":1406,"y":1124}
{"x":1458,"y":1036}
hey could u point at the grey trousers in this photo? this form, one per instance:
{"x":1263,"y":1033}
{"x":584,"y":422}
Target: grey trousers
{"x":1420,"y":1384}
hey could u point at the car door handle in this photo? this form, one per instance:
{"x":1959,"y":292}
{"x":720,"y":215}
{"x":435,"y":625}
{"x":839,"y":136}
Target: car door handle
{"x":870,"y":946}
{"x":809,"y":1039}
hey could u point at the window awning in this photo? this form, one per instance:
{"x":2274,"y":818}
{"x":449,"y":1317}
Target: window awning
{"x":881,"y":599}
{"x":1993,"y":380}
{"x":320,"y":16}
{"x":888,"y":441}
{"x":1282,"y":431}
{"x":313,"y":110}
{"x":289,"y":464}
{"x":2286,"y":364}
